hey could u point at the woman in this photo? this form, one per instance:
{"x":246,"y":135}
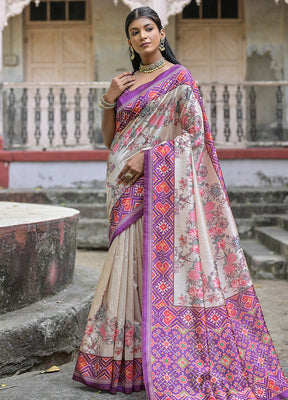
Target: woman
{"x":193,"y":326}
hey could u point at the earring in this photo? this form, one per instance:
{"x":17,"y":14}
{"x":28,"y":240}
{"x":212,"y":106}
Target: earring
{"x":162,"y":45}
{"x":132,"y":54}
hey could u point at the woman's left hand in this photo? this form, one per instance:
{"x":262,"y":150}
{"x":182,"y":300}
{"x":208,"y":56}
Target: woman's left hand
{"x":132,"y":170}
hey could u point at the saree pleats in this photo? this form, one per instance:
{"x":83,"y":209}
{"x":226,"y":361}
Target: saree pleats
{"x":110,"y":353}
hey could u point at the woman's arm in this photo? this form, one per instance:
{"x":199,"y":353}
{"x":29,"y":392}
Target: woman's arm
{"x":118,"y":85}
{"x":108,"y":126}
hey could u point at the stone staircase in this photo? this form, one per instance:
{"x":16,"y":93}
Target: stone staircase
{"x":261,"y":216}
{"x":262,"y":219}
{"x":93,"y":224}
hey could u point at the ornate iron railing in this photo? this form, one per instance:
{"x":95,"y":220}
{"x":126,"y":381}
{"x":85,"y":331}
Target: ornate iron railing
{"x":62,"y":115}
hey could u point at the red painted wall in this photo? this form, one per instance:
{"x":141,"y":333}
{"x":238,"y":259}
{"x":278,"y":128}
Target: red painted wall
{"x":6,"y":157}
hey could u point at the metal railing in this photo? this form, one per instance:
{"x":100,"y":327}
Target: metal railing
{"x":66,"y":115}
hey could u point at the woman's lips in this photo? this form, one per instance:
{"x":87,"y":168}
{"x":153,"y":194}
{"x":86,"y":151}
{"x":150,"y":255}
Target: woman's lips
{"x":144,"y":44}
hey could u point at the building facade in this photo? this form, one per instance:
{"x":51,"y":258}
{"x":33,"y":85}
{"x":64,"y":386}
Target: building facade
{"x":59,"y":55}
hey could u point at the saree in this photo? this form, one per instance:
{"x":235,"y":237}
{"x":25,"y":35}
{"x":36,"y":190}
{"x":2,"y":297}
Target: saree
{"x":175,"y":310}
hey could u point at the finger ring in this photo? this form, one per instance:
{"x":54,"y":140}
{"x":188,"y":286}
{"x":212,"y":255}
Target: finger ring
{"x":128,"y":176}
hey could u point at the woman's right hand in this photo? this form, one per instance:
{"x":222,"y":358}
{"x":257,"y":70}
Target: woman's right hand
{"x":118,"y":84}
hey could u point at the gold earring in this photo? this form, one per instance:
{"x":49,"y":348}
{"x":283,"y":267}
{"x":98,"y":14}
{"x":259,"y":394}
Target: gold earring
{"x":132,"y":54}
{"x":162,"y":45}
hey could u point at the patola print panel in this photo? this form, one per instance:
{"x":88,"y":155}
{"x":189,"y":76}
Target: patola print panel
{"x":202,"y":213}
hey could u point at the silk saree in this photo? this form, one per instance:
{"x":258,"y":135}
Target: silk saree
{"x":175,"y":311}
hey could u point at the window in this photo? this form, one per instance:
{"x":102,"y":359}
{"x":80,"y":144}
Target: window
{"x":38,"y":13}
{"x":58,"y":11}
{"x":76,"y":10}
{"x":212,"y":9}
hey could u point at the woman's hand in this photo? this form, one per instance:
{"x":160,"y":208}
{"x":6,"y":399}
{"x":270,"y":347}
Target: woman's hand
{"x":134,"y":167}
{"x":118,"y":84}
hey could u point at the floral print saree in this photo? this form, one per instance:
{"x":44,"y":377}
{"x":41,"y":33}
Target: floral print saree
{"x":175,"y":309}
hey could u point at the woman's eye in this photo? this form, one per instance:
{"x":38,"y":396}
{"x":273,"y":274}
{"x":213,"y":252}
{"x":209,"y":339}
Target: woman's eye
{"x":134,"y":33}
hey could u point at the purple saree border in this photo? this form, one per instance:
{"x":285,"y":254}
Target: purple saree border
{"x":281,"y":396}
{"x":129,"y":94}
{"x":102,"y":386}
{"x":136,"y":214}
{"x":146,"y":281}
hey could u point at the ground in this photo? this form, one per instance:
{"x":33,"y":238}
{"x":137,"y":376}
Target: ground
{"x":273,"y":295}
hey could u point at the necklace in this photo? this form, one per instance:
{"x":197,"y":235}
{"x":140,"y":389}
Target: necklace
{"x":147,"y":69}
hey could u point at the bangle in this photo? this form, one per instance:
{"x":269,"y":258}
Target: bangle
{"x":104,"y":104}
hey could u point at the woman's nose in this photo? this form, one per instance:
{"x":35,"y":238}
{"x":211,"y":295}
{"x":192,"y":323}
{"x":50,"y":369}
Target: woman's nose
{"x":143,"y":34}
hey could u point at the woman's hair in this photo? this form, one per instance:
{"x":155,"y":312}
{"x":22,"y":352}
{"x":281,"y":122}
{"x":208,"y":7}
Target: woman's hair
{"x":151,"y":14}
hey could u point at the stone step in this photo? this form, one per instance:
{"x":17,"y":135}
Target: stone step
{"x":49,"y":330}
{"x":98,"y":210}
{"x":264,"y":263}
{"x":90,"y":210}
{"x":97,"y":194}
{"x":265,"y":219}
{"x":273,"y":237}
{"x":55,"y":196}
{"x":92,"y":233}
{"x":245,"y":227}
{"x":283,"y":221}
{"x":93,"y":226}
{"x":244,"y":210}
{"x":258,"y":195}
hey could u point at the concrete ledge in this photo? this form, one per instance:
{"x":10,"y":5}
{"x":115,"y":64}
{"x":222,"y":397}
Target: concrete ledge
{"x":37,"y":252}
{"x":53,"y":327}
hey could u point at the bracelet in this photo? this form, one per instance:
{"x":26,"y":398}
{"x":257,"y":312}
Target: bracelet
{"x":102,"y":97}
{"x":104,"y":104}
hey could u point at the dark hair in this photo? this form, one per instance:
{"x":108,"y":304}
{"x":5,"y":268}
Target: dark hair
{"x":151,"y":14}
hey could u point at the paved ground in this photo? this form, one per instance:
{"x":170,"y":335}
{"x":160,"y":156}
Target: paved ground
{"x":273,"y":295}
{"x":55,"y":386}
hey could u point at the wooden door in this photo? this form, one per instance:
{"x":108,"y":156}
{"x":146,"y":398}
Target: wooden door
{"x":212,"y":52}
{"x":57,"y":54}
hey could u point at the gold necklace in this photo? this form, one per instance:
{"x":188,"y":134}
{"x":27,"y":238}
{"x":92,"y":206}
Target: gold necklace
{"x":147,"y":69}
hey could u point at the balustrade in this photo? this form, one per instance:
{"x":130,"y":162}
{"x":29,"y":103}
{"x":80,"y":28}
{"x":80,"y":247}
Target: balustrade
{"x":63,"y":115}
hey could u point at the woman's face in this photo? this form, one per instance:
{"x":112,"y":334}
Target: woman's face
{"x":145,"y":36}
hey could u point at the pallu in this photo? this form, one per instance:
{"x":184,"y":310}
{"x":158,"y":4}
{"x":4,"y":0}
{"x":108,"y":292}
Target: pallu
{"x":175,"y":309}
